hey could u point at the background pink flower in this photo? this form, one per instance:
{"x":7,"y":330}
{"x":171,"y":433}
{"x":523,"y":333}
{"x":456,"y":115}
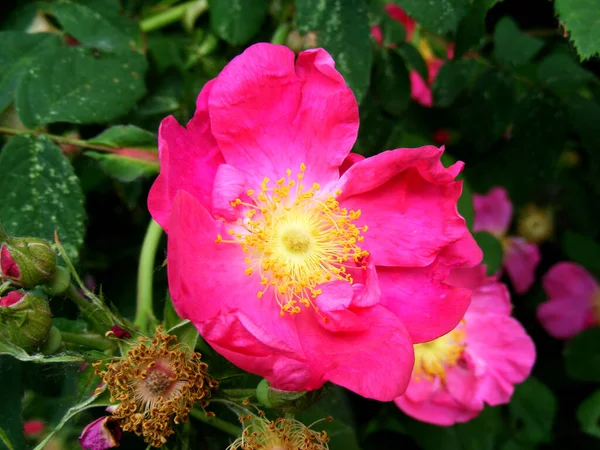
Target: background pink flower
{"x":493,"y":213}
{"x":478,"y":363}
{"x":268,"y":254}
{"x":573,"y":300}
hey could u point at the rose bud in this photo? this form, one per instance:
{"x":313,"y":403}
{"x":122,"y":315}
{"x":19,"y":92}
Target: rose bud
{"x":25,"y":320}
{"x":101,"y":434}
{"x":28,"y":261}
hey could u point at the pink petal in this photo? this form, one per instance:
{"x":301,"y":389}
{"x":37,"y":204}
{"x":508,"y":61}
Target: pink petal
{"x":493,"y":211}
{"x":408,"y":200}
{"x":571,"y":290}
{"x":521,"y":258}
{"x":504,"y":351}
{"x":398,"y":14}
{"x":427,"y":307}
{"x":269,"y":115}
{"x":350,"y":160}
{"x":188,"y":158}
{"x":376,"y":34}
{"x":420,"y":91}
{"x":491,"y":297}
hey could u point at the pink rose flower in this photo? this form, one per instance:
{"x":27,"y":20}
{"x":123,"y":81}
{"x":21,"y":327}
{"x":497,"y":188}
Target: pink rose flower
{"x":493,"y":213}
{"x":477,"y":363}
{"x":287,"y":268}
{"x":574,"y":301}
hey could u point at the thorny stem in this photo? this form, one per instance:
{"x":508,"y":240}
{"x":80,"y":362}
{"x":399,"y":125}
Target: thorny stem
{"x":144,"y":314}
{"x":169,"y":16}
{"x":59,"y":139}
{"x":219,"y":424}
{"x":94,"y":341}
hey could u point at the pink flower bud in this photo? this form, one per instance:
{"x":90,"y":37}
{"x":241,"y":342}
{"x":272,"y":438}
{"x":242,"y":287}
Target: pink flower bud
{"x":118,"y":332}
{"x":25,"y":320}
{"x":32,"y":428}
{"x":28,"y":262}
{"x":101,"y":434}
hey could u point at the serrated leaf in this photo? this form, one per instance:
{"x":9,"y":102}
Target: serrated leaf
{"x":6,"y":348}
{"x":582,"y":356}
{"x":532,"y":411}
{"x":452,"y":79}
{"x":413,"y":58}
{"x":582,"y":250}
{"x":561,"y":74}
{"x":588,"y":414}
{"x":581,"y":20}
{"x":342,"y":28}
{"x":492,"y":251}
{"x":74,"y":85}
{"x":391,"y":82}
{"x":237,"y":21}
{"x":513,"y":47}
{"x":438,"y":16}
{"x":19,"y":52}
{"x":97,"y":23}
{"x":11,"y":392}
{"x":42,"y":192}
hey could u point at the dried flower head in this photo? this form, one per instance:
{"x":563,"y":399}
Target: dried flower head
{"x":278,"y":434}
{"x":155,"y":384}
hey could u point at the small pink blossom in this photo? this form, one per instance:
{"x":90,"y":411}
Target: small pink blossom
{"x":33,"y":428}
{"x":493,"y":213}
{"x":478,"y":363}
{"x":296,"y":260}
{"x":573,"y":303}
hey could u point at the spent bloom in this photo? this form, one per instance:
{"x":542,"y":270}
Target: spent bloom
{"x":101,"y":434}
{"x":573,"y":303}
{"x":493,"y":213}
{"x":477,"y":363}
{"x":279,"y":434}
{"x":155,"y":384}
{"x":295,"y":260}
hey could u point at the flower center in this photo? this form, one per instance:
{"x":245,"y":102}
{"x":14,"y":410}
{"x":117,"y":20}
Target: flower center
{"x":434,"y":357}
{"x":297,"y":238}
{"x":157,"y":382}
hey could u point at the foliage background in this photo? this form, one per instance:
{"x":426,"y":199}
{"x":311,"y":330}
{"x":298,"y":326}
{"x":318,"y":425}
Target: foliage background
{"x":524,"y":113}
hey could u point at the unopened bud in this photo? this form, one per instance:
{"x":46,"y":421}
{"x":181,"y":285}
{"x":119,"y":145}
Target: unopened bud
{"x":25,"y":320}
{"x":28,"y":262}
{"x":101,"y":434}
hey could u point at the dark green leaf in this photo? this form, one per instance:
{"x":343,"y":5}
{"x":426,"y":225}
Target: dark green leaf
{"x":11,"y":392}
{"x":465,"y":204}
{"x":454,"y":77}
{"x":562,"y":74}
{"x":6,"y":348}
{"x":73,"y":85}
{"x":413,"y":59}
{"x":130,"y":165}
{"x":438,"y":16}
{"x":97,"y":23}
{"x":374,"y":130}
{"x":582,"y":356}
{"x":128,"y":136}
{"x":512,"y":47}
{"x":42,"y":193}
{"x":186,"y":333}
{"x":492,"y":251}
{"x":583,"y":114}
{"x":343,"y":30}
{"x":588,"y":414}
{"x":532,"y":411}
{"x":582,"y":250}
{"x":581,"y":20}
{"x":237,"y":21}
{"x":391,"y":82}
{"x":19,"y":53}
{"x":471,"y":28}
{"x":393,"y":32}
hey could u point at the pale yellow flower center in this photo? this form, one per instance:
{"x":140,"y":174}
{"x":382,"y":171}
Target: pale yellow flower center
{"x":434,"y":357}
{"x":297,"y":238}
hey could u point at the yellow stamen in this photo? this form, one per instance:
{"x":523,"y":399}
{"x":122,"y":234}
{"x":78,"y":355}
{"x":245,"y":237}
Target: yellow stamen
{"x":434,"y":357}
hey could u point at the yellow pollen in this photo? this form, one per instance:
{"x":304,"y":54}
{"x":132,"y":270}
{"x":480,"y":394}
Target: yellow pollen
{"x":434,"y":357}
{"x":297,"y":238}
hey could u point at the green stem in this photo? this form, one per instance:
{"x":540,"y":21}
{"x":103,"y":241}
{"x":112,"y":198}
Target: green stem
{"x":58,"y":139}
{"x":144,"y":314}
{"x":219,"y":424}
{"x":281,"y":33}
{"x":167,"y":17}
{"x":238,"y":393}
{"x":87,"y":309}
{"x":94,"y":341}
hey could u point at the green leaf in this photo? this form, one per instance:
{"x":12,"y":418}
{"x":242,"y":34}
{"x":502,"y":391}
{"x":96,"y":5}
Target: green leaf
{"x":130,"y":165}
{"x":561,"y":74}
{"x":342,"y":28}
{"x":11,"y":392}
{"x":413,"y":58}
{"x":129,"y":136}
{"x":42,"y":192}
{"x":19,"y":52}
{"x":392,"y":31}
{"x":471,"y":28}
{"x":73,"y":85}
{"x":582,"y":250}
{"x":512,"y":47}
{"x":391,"y":82}
{"x":453,"y":78}
{"x":465,"y":204}
{"x":492,"y":251}
{"x":583,"y":114}
{"x":588,"y":414}
{"x":438,"y":16}
{"x":186,"y":333}
{"x":237,"y":21}
{"x":581,"y":20}
{"x":97,"y":23}
{"x":532,"y":411}
{"x":6,"y":348}
{"x":582,"y":356}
